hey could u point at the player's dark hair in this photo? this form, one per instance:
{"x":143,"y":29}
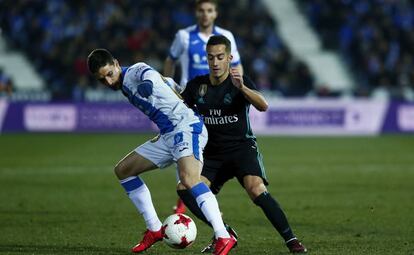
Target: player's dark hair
{"x":198,"y":2}
{"x":99,"y":58}
{"x":218,"y":40}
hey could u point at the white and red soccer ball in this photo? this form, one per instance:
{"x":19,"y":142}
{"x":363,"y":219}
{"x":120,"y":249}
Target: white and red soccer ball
{"x":179,"y":231}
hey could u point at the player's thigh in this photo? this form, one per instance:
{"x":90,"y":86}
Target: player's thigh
{"x":248,"y":161}
{"x":215,"y":171}
{"x":133,"y":164}
{"x":156,"y":151}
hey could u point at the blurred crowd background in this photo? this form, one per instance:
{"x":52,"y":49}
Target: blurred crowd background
{"x":375,"y":39}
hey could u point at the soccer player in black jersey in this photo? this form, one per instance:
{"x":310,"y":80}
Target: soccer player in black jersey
{"x":223,"y":98}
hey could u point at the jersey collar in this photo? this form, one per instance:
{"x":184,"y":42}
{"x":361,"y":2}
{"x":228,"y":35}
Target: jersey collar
{"x":214,"y":32}
{"x":124,"y":69}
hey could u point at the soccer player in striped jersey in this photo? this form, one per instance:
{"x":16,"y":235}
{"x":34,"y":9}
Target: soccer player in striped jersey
{"x":189,"y":45}
{"x":182,"y":139}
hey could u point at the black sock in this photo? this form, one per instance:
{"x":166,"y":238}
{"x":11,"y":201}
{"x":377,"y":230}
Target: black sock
{"x":275,"y":214}
{"x":191,"y":204}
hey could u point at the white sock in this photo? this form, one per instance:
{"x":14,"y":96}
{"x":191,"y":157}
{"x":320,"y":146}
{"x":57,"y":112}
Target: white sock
{"x":209,"y":206}
{"x":140,"y":196}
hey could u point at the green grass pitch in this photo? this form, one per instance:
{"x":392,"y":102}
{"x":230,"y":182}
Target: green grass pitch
{"x":342,"y":195}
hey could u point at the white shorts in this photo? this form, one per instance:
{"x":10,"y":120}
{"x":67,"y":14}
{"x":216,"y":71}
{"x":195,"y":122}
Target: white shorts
{"x":168,"y":148}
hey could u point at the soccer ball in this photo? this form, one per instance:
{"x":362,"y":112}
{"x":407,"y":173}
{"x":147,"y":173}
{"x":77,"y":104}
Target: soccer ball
{"x":179,"y":231}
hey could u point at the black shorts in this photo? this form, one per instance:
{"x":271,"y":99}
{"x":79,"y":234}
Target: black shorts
{"x":243,"y":160}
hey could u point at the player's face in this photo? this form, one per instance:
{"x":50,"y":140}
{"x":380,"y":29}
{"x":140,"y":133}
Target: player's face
{"x":110,"y":75}
{"x":218,"y":61}
{"x":206,"y":14}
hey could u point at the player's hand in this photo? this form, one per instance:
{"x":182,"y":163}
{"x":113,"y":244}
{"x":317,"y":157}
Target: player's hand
{"x":236,"y":78}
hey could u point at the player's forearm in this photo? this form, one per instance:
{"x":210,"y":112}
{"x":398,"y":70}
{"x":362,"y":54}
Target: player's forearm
{"x":169,"y":67}
{"x":255,"y":98}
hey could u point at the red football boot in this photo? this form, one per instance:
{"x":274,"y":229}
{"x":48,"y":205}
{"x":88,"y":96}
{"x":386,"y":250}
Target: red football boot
{"x":210,"y":247}
{"x":224,"y":245}
{"x":180,"y":207}
{"x":149,"y":239}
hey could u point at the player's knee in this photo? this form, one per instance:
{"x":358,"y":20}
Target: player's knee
{"x":122,"y":171}
{"x":254,"y":189}
{"x":205,"y":180}
{"x":118,"y":171}
{"x":188,"y":180}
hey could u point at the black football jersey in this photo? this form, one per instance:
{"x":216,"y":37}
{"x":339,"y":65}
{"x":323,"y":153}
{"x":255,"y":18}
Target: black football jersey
{"x":224,"y":109}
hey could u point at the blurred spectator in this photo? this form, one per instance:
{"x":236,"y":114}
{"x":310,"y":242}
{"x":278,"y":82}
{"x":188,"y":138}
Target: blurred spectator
{"x":56,"y":35}
{"x":376,"y":38}
{"x":188,"y":50}
{"x":6,"y":84}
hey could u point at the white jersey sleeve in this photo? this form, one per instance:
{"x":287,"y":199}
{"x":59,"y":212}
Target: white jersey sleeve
{"x":147,"y":90}
{"x":178,"y":45}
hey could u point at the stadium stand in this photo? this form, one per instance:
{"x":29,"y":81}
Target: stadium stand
{"x":18,"y":68}
{"x":334,"y":77}
{"x":6,"y":84}
{"x":57,"y":35}
{"x":376,"y":39}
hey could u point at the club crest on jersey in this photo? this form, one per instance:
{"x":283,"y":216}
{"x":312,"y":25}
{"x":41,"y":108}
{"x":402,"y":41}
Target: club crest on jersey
{"x":202,"y":91}
{"x":227,"y":99}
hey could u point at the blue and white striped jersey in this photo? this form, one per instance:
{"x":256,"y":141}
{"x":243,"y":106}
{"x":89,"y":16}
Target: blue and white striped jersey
{"x":189,"y":46}
{"x":147,"y":90}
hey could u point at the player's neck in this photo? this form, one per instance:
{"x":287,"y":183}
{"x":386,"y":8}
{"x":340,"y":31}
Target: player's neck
{"x":218,"y":80}
{"x":206,"y":30}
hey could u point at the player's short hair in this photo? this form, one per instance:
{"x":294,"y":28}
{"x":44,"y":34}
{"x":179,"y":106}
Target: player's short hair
{"x":99,"y":58}
{"x":220,"y":39}
{"x":199,"y":2}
